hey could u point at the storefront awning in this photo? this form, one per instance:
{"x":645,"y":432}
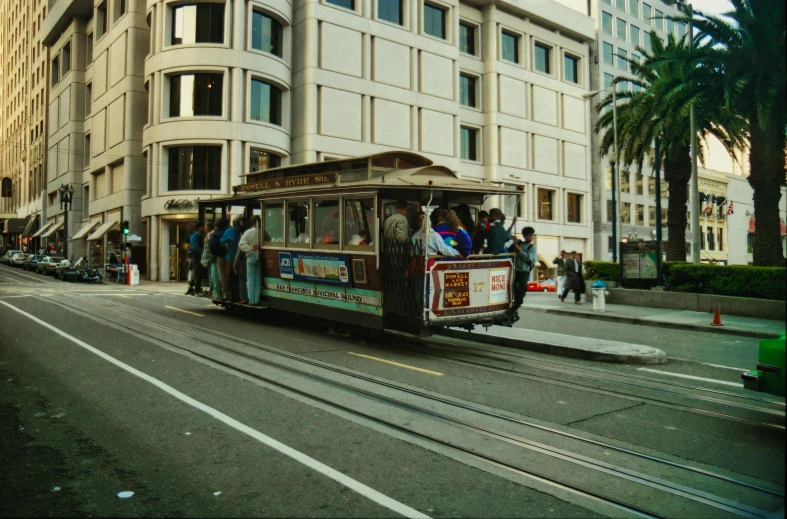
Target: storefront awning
{"x":31,"y":224}
{"x":105,"y":228}
{"x":86,"y":229}
{"x":14,"y":225}
{"x":52,"y":230}
{"x":43,"y":229}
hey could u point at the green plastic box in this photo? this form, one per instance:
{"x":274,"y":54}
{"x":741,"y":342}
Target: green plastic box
{"x":769,"y":377}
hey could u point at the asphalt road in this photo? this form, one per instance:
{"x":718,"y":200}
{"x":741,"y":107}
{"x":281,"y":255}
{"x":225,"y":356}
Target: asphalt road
{"x":110,"y":389}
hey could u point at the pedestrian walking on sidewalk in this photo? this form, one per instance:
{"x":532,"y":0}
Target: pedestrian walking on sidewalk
{"x":560,"y":263}
{"x":573,"y":270}
{"x":525,"y":258}
{"x":196,"y":245}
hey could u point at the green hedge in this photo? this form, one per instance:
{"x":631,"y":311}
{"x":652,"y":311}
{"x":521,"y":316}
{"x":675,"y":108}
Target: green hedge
{"x":729,"y":280}
{"x":605,"y":270}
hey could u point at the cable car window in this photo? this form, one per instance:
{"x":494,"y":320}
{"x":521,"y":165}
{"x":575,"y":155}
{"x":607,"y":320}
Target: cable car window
{"x":358,"y":222}
{"x":326,"y":223}
{"x":298,"y":222}
{"x":274,"y":223}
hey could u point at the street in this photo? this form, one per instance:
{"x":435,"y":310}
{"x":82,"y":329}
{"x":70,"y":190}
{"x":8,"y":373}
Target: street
{"x":203,"y":413}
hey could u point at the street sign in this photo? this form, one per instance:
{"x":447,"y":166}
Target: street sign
{"x":638,"y":260}
{"x":133,"y":237}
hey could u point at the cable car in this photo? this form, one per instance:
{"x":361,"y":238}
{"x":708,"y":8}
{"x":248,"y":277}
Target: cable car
{"x":324,"y":252}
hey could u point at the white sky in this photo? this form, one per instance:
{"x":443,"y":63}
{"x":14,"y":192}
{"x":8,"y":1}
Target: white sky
{"x":712,"y":6}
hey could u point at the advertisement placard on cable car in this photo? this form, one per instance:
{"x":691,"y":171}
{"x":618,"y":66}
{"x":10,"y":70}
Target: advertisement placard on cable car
{"x":319,"y":268}
{"x":464,"y":288}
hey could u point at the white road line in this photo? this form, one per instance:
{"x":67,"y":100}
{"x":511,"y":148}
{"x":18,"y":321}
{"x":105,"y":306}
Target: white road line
{"x":298,"y":456}
{"x":723,"y":367}
{"x":692,"y":377}
{"x":11,"y":274}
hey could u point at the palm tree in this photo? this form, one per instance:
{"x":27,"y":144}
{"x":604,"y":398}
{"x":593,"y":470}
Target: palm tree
{"x":739,"y":59}
{"x":660,"y":109}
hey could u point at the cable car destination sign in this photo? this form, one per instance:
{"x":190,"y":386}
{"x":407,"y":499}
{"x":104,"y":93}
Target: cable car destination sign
{"x":257,"y":184}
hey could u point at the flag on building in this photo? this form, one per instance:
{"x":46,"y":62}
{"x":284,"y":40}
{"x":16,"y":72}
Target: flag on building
{"x":709,"y":206}
{"x":729,"y":209}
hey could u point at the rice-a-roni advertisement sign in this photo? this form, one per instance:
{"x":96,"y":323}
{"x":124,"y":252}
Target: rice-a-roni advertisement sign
{"x":469,"y":288}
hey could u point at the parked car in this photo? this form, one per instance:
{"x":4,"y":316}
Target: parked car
{"x":48,"y":264}
{"x":31,"y":261}
{"x":18,"y":259}
{"x":546,"y":285}
{"x":7,"y":256}
{"x":61,"y":267}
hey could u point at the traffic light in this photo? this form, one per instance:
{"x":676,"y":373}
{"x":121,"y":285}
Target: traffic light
{"x":124,"y":226}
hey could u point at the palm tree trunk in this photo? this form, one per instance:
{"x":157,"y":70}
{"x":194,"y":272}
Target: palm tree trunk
{"x":677,"y":171}
{"x":766,"y":178}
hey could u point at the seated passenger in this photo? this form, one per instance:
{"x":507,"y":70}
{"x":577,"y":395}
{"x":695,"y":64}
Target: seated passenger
{"x":359,"y":238}
{"x":450,"y":230}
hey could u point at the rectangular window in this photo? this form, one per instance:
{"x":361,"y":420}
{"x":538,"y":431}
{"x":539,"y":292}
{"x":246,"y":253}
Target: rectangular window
{"x":66,"y":58}
{"x":467,"y":39}
{"x":266,"y":34}
{"x":509,"y":47}
{"x":574,"y":208}
{"x":542,"y":58}
{"x":434,"y":21}
{"x":468,"y":137}
{"x":260,"y":160}
{"x":608,"y":2}
{"x":620,"y":28}
{"x":326,"y":223}
{"x":670,"y":27}
{"x":274,"y":223}
{"x":120,"y":9}
{"x":720,"y":236}
{"x":571,"y":68}
{"x":658,"y":20}
{"x":652,"y":185}
{"x":625,"y":213}
{"x":625,"y":186}
{"x":608,"y":80}
{"x":87,"y":152}
{"x":609,"y":210}
{"x":545,"y":209}
{"x":607,"y":52}
{"x":88,"y":98}
{"x":646,"y":41}
{"x":195,"y":94}
{"x":200,"y":23}
{"x":606,"y":22}
{"x":651,"y":216}
{"x":710,"y":238}
{"x":265,"y":102}
{"x":359,"y":222}
{"x":55,"y":71}
{"x":646,"y":13}
{"x":347,"y":4}
{"x":634,"y":8}
{"x":512,"y":205}
{"x":89,"y":49}
{"x":194,"y":168}
{"x":298,"y":226}
{"x":101,"y":19}
{"x":640,"y":215}
{"x":634,"y":33}
{"x":621,"y":4}
{"x":681,"y":34}
{"x":467,"y":90}
{"x":640,"y":184}
{"x":622,"y":59}
{"x":390,"y":11}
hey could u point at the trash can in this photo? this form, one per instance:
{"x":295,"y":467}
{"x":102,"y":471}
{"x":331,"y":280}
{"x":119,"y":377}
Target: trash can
{"x":600,"y":293}
{"x":769,"y":377}
{"x":134,"y":275}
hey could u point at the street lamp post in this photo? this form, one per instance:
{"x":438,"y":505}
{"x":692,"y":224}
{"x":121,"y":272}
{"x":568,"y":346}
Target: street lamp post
{"x":66,"y":199}
{"x":657,"y":171}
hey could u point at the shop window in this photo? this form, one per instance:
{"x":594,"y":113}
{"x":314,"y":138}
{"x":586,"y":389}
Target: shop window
{"x":195,"y":95}
{"x":274,"y":222}
{"x":194,"y":168}
{"x":359,"y":222}
{"x":509,"y":47}
{"x":574,"y":208}
{"x":198,"y":23}
{"x":390,"y":11}
{"x":265,"y":102}
{"x":326,"y":223}
{"x":266,"y":34}
{"x":298,"y":227}
{"x":467,"y":90}
{"x":347,"y":4}
{"x":434,"y":21}
{"x":467,"y":39}
{"x":545,"y":204}
{"x":260,"y":160}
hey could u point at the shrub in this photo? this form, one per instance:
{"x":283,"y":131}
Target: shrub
{"x":605,"y":270}
{"x":730,"y":280}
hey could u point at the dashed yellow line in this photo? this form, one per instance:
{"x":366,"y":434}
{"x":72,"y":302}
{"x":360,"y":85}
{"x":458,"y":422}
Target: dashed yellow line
{"x":422,"y":370}
{"x":184,"y":311}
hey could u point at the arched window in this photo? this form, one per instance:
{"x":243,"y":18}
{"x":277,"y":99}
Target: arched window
{"x":6,"y":188}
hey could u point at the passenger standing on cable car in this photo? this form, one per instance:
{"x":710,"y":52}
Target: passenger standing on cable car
{"x":450,"y":230}
{"x":397,"y":229}
{"x":230,"y":240}
{"x":220,"y":251}
{"x":250,"y":245}
{"x":525,"y":258}
{"x":497,"y":236}
{"x":196,"y":244}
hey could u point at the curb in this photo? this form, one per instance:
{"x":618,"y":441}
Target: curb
{"x":663,"y":324}
{"x":656,"y":357}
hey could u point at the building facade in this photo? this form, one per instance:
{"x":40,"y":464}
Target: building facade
{"x":23,"y":99}
{"x":490,"y":90}
{"x":97,"y":108}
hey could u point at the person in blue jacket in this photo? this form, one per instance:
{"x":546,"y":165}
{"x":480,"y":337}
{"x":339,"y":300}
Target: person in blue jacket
{"x":230,"y":240}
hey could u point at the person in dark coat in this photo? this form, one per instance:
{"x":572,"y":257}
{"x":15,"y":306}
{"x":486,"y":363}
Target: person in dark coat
{"x":573,"y":270}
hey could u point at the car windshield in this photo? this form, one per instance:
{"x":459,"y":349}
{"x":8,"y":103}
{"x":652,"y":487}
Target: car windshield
{"x":55,"y":260}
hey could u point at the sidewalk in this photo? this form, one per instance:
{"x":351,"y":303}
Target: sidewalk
{"x":679,"y":319}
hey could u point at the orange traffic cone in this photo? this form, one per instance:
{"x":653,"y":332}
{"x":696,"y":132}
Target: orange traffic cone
{"x":716,"y":318}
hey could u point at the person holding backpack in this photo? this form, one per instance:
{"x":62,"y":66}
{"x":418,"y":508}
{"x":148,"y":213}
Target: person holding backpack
{"x":525,"y":259}
{"x":219,"y":251}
